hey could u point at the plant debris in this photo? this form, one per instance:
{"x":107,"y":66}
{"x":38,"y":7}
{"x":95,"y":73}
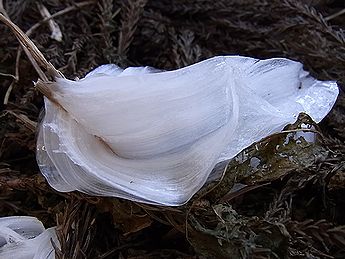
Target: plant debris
{"x":280,"y":198}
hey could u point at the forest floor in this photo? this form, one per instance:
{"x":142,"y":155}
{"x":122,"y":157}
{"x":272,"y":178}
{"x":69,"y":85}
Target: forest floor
{"x":294,"y":210}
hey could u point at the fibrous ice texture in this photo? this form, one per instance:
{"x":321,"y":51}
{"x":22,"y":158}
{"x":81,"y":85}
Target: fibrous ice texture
{"x":154,"y":136}
{"x":23,"y":237}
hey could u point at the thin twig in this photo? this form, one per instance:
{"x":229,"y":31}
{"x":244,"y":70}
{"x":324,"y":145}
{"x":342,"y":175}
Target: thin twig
{"x":7,"y":75}
{"x":8,"y":92}
{"x":2,"y":9}
{"x":56,"y":33}
{"x":31,"y":125}
{"x":30,"y":31}
{"x":119,"y":248}
{"x":33,"y":53}
{"x":231,"y":195}
{"x":62,"y":12}
{"x":15,"y":80}
{"x":29,"y":47}
{"x":341,"y":12}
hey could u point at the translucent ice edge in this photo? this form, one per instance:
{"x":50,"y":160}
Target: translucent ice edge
{"x":23,"y":237}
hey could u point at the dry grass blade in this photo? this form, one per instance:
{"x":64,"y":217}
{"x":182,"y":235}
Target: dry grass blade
{"x":57,"y":14}
{"x":335,"y":15}
{"x":75,"y":230}
{"x":56,"y":33}
{"x":2,"y":9}
{"x":31,"y":125}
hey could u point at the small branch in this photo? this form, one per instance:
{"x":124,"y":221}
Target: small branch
{"x":16,"y":79}
{"x":31,"y":125}
{"x":7,"y":75}
{"x":341,"y":12}
{"x":56,"y":33}
{"x":5,"y":18}
{"x":62,"y":12}
{"x":33,"y":53}
{"x":8,"y":92}
{"x":2,"y":9}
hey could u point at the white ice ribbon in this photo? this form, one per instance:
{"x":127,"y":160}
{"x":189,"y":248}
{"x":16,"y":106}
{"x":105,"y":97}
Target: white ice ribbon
{"x":154,"y":136}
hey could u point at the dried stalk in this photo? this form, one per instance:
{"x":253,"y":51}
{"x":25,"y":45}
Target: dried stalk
{"x":34,"y":54}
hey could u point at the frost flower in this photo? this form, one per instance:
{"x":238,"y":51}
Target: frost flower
{"x":23,"y":237}
{"x":154,"y":136}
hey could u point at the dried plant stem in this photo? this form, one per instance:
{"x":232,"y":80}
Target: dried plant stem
{"x":56,"y":33}
{"x":16,"y":30}
{"x":341,"y":12}
{"x":15,"y":78}
{"x":2,"y":9}
{"x":31,"y":125}
{"x":62,"y":12}
{"x":7,"y":75}
{"x":34,"y":54}
{"x":9,"y":90}
{"x":75,"y":229}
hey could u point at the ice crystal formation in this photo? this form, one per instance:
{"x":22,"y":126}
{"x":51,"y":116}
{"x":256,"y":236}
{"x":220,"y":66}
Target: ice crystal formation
{"x":24,"y":237}
{"x":154,"y":136}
